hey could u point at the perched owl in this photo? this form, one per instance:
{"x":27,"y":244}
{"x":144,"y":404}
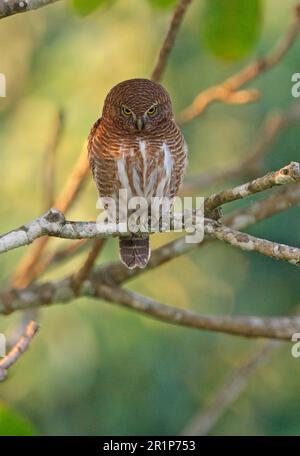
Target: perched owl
{"x":137,"y":146}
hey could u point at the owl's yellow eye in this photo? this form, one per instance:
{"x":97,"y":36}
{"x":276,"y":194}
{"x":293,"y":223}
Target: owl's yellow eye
{"x":126,"y":111}
{"x":152,"y":111}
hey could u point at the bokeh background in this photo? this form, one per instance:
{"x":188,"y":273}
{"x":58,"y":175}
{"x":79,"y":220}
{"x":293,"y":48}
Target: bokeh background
{"x":97,"y":369}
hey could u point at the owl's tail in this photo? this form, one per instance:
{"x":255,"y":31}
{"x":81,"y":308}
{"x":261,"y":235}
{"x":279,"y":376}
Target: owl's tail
{"x":135,"y":251}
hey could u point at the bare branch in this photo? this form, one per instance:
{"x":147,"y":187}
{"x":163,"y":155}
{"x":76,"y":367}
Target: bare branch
{"x":101,"y":283}
{"x":269,"y":327}
{"x":50,"y":159}
{"x":170,"y":38}
{"x":29,"y":267}
{"x":54,"y":224}
{"x":88,"y":265}
{"x":10,"y":7}
{"x":62,"y":254}
{"x":205,"y":420}
{"x":239,"y":220}
{"x":74,"y":183}
{"x":286,"y":175}
{"x":273,"y":126}
{"x":282,"y":200}
{"x":17,"y":351}
{"x":226,"y":91}
{"x":250,"y":243}
{"x":63,"y":292}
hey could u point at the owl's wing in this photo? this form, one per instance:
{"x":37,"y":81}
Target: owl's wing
{"x":179,"y":151}
{"x":93,"y":150}
{"x":102,"y":162}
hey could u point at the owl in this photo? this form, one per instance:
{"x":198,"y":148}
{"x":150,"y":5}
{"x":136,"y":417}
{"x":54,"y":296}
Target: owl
{"x":137,"y":146}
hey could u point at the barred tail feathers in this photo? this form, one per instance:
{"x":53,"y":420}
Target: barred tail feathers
{"x":135,"y":251}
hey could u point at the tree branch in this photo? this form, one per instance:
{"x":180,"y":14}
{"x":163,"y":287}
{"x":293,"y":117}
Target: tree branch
{"x":227,"y":90}
{"x":250,"y":243}
{"x":269,"y":327}
{"x":273,"y":125}
{"x":88,"y":265}
{"x":241,"y":219}
{"x":63,"y":292}
{"x":205,"y":420}
{"x":286,"y":175}
{"x":16,"y":352}
{"x":30,"y":265}
{"x":282,"y":200}
{"x":54,"y":224}
{"x":96,"y":286}
{"x":62,"y":254}
{"x":10,"y":7}
{"x":170,"y":38}
{"x":48,"y":184}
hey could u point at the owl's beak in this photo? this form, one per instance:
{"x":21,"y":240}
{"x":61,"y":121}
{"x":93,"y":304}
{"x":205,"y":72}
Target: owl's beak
{"x":140,"y":123}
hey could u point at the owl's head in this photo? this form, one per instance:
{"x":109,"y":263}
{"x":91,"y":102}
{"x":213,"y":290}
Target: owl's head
{"x":137,"y":106}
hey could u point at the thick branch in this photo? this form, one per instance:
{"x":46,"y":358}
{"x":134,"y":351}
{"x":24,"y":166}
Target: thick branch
{"x":10,"y":7}
{"x":63,"y":292}
{"x":241,"y":219}
{"x":54,"y":224}
{"x":96,"y":286}
{"x":269,"y":327}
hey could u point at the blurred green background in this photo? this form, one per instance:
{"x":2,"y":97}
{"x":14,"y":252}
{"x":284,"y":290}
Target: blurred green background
{"x":97,"y":369}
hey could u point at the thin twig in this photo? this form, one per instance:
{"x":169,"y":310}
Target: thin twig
{"x":170,"y":38}
{"x":29,"y":267}
{"x":48,"y":184}
{"x":88,"y":265}
{"x":279,"y":201}
{"x":17,"y":351}
{"x":74,"y":183}
{"x":62,"y":254}
{"x":226,"y":91}
{"x":203,"y":422}
{"x":273,"y":126}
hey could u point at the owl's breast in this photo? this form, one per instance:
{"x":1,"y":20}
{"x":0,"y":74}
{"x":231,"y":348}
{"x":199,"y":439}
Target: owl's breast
{"x":145,"y":168}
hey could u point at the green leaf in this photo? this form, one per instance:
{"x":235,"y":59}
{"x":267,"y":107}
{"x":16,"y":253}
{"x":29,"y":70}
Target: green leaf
{"x":231,"y":27}
{"x":162,"y":3}
{"x":86,"y":7}
{"x":13,"y":423}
